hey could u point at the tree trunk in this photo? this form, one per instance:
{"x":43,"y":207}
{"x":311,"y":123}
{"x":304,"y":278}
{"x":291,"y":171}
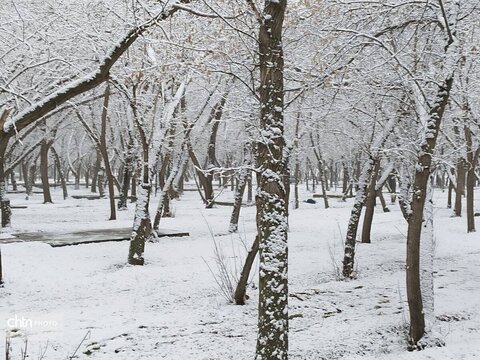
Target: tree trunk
{"x":13,"y":181}
{"x":104,"y":152}
{"x":47,"y":198}
{"x":370,"y":204}
{"x":460,"y":187}
{"x":427,"y":249}
{"x":61,"y":174}
{"x":415,"y":223}
{"x":272,"y":341}
{"x":96,"y":169}
{"x":4,"y":201}
{"x":472,"y":159}
{"x":449,"y":198}
{"x":242,"y":184}
{"x":241,"y":289}
{"x":349,"y":253}
{"x":249,"y":187}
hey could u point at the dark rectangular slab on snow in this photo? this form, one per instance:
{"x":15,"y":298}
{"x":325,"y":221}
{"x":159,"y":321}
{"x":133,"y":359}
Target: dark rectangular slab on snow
{"x":334,"y":196}
{"x":88,"y":236}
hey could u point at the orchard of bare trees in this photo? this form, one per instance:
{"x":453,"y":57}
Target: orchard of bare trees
{"x":346,"y":133}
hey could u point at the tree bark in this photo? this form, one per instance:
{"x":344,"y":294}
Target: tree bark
{"x":45,"y":146}
{"x":472,"y":159}
{"x":241,"y":289}
{"x":370,"y":204}
{"x":272,"y":340}
{"x":415,"y":223}
{"x":6,"y":211}
{"x":242,"y":184}
{"x":460,"y":187}
{"x":104,"y":152}
{"x":61,"y":173}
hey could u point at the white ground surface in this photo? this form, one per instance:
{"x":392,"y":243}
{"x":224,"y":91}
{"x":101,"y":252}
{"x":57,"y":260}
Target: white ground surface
{"x":172,"y":309}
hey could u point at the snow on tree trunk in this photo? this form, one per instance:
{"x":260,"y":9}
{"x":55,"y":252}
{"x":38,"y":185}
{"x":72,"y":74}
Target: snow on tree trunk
{"x":142,"y":227}
{"x":427,"y":254}
{"x":272,"y":340}
{"x":349,"y":253}
{"x":363,"y":182}
{"x":242,"y":184}
{"x":422,"y":174}
{"x":183,"y":158}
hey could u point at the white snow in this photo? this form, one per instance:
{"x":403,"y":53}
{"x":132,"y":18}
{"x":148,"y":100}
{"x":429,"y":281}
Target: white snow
{"x":171,"y":309}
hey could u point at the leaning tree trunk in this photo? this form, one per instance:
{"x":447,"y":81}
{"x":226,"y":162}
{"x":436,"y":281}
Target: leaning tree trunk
{"x":420,"y":184}
{"x":242,"y":184}
{"x":272,"y":340}
{"x":349,"y":253}
{"x":363,"y":181}
{"x":241,"y":289}
{"x":183,"y":158}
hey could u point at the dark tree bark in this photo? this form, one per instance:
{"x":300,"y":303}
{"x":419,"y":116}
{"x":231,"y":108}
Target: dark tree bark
{"x":472,"y":159}
{"x":61,"y":173}
{"x":6,"y":211}
{"x":241,"y":289}
{"x":449,"y":196}
{"x":349,"y":253}
{"x":242,"y":184}
{"x":96,"y":169}
{"x":44,"y":147}
{"x":370,"y":204}
{"x":415,"y":222}
{"x":104,"y":152}
{"x":460,"y":187}
{"x":13,"y":181}
{"x":272,"y":341}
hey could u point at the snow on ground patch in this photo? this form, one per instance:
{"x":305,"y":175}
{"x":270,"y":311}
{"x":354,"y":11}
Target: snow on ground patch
{"x":171,"y":309}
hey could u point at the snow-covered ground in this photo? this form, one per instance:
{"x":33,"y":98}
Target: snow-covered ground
{"x":171,"y":308}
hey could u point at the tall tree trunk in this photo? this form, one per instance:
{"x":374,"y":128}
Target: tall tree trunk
{"x":104,"y":152}
{"x":427,"y":255}
{"x":415,"y":222}
{"x":272,"y":341}
{"x":472,"y":159}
